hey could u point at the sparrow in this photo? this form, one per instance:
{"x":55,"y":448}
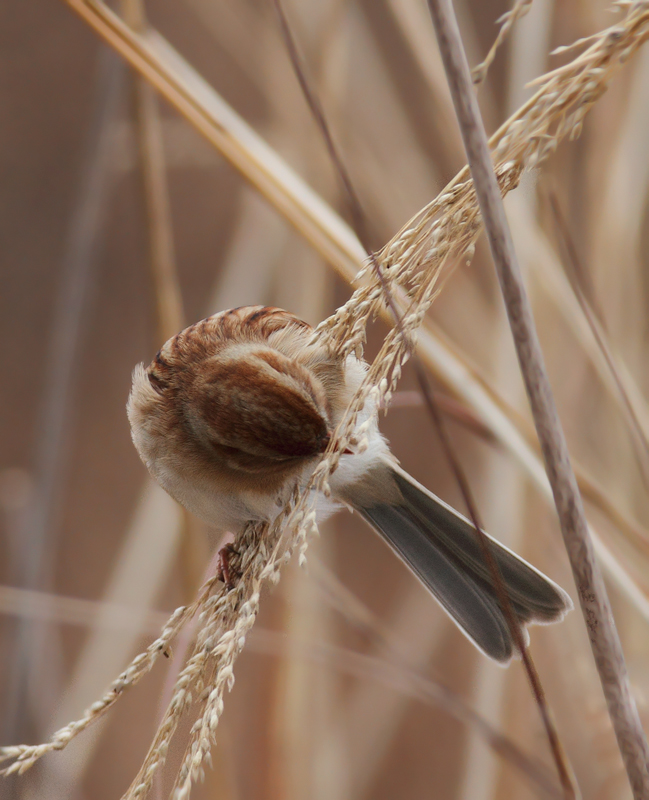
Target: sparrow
{"x":237,"y":410}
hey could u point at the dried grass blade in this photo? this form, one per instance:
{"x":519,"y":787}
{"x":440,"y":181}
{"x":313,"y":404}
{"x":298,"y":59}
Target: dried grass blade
{"x":592,"y":592}
{"x":584,"y":292}
{"x":390,"y":377}
{"x":425,"y":690}
{"x":170,"y":313}
{"x":214,"y":119}
{"x":203,"y":124}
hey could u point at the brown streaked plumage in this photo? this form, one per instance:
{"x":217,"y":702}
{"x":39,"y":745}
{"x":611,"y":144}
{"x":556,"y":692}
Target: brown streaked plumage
{"x":236,"y":410}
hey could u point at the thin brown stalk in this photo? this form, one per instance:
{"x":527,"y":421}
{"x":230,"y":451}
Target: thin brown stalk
{"x":585,"y":294}
{"x":591,"y":490}
{"x":360,"y":220}
{"x":579,"y":277}
{"x":596,"y":607}
{"x":170,"y":314}
{"x":391,"y":652}
{"x":425,"y":690}
{"x":566,"y":775}
{"x":452,"y":408}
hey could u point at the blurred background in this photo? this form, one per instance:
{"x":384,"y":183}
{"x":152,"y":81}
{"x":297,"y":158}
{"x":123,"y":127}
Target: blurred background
{"x":93,"y":557}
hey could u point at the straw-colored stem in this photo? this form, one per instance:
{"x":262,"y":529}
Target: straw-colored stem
{"x":169,"y":303}
{"x":170,"y":314}
{"x":596,"y":608}
{"x":360,"y":223}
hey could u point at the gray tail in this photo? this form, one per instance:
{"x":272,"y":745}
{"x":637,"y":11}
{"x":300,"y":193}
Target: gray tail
{"x":441,"y":547}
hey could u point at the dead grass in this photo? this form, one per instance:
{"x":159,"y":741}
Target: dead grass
{"x":438,"y":237}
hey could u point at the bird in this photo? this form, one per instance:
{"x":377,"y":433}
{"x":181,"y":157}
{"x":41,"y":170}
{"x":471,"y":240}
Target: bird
{"x":237,"y":410}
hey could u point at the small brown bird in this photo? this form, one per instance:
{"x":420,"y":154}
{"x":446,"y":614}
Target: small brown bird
{"x":236,"y":410}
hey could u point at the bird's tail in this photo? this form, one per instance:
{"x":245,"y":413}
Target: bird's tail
{"x":441,"y":547}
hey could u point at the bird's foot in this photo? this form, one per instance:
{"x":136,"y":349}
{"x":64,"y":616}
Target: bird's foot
{"x":225,"y":572}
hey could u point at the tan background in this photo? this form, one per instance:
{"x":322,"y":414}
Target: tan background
{"x":297,"y":725}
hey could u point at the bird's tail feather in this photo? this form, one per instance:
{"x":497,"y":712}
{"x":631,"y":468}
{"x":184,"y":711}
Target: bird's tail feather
{"x":442,"y":549}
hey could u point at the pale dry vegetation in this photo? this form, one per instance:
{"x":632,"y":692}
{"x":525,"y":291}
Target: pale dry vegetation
{"x":352,"y":684}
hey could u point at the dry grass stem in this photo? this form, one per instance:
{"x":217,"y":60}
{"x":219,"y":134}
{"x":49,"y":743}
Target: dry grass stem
{"x":170,"y":314}
{"x":520,"y":9}
{"x":24,"y":756}
{"x":360,"y":220}
{"x":433,"y":410}
{"x":596,"y":608}
{"x":395,"y":674}
{"x":169,"y":302}
{"x":391,"y":669}
{"x":155,"y":60}
{"x":585,"y":295}
{"x":412,"y":264}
